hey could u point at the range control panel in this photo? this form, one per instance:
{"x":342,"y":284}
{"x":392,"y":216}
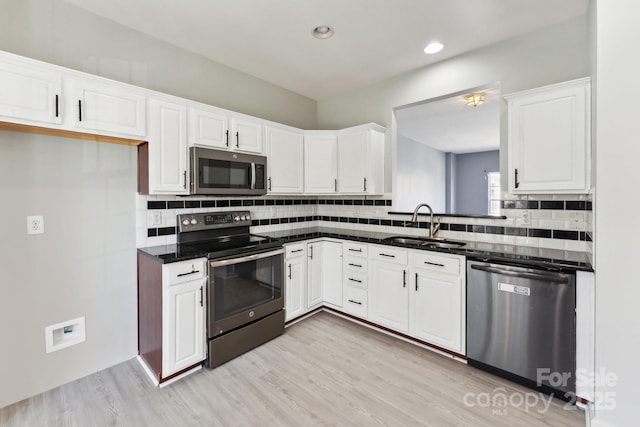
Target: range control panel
{"x":213,"y":220}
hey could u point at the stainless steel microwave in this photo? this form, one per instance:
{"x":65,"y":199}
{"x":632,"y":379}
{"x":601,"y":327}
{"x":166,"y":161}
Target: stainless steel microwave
{"x":219,"y":172}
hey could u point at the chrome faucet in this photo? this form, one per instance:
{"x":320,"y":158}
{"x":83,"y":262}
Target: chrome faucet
{"x":433,"y":228}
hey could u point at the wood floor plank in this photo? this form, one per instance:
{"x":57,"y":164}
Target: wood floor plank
{"x":324,"y":371}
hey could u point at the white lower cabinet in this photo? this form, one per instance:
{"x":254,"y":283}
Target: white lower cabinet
{"x":296,"y":280}
{"x":388,"y":288}
{"x":183,"y":315}
{"x":437,"y":300}
{"x":314,"y":274}
{"x":332,"y":273}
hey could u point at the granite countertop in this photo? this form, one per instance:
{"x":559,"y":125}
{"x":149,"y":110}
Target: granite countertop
{"x":555,"y":259}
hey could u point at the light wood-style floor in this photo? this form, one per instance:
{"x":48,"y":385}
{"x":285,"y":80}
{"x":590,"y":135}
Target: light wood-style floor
{"x":323,"y":371}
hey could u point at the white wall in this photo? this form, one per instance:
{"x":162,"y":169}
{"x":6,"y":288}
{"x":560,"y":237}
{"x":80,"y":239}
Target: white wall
{"x":553,"y":54}
{"x":60,"y":33}
{"x":83,"y":265}
{"x":617,"y":203}
{"x":421,"y":177}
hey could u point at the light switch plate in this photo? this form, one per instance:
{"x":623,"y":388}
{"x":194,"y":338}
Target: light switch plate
{"x":35,"y":224}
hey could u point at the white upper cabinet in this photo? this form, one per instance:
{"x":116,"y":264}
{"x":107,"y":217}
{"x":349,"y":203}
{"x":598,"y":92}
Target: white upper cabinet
{"x":247,"y":134}
{"x":361,"y":160}
{"x":105,"y":108}
{"x":167,"y":148}
{"x":285,"y":160}
{"x":320,"y":162}
{"x":549,"y":139}
{"x":217,"y":128}
{"x":208,"y":127}
{"x":29,"y":93}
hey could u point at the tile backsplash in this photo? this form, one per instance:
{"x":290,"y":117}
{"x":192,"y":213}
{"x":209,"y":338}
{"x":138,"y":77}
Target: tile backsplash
{"x":557,"y":222}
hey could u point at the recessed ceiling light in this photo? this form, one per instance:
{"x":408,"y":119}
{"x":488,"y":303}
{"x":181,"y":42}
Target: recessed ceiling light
{"x":434,"y":47}
{"x":322,"y":32}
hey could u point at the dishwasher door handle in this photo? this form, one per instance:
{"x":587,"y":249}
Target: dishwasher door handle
{"x":523,"y":274}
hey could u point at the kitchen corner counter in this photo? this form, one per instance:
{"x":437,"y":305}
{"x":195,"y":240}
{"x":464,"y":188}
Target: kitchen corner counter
{"x":553,"y":259}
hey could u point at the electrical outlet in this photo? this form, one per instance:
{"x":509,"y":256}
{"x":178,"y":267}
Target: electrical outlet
{"x":156,"y":218}
{"x":35,"y":224}
{"x":576,"y":221}
{"x":525,"y":218}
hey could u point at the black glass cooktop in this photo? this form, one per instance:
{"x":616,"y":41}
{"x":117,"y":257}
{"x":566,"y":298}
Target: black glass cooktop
{"x":228,"y":246}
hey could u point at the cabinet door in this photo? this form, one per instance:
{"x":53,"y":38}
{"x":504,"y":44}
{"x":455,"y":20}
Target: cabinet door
{"x":208,"y":128}
{"x":167,"y":148}
{"x":389,"y":295}
{"x":285,"y":161}
{"x":314,"y":274}
{"x":332,"y":275}
{"x":29,"y":94}
{"x":436,"y":307}
{"x":320,"y":163}
{"x":247,"y":135}
{"x":353,"y":155}
{"x":183,"y":327}
{"x":549,"y":140}
{"x":109,"y":109}
{"x":295,"y":287}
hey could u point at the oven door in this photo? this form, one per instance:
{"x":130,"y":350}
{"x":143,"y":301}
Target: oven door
{"x":244,"y":289}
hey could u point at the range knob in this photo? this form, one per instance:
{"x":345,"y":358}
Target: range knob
{"x":186,"y":221}
{"x":243,"y":217}
{"x":194,"y":221}
{"x":248,"y":217}
{"x":236,"y":218}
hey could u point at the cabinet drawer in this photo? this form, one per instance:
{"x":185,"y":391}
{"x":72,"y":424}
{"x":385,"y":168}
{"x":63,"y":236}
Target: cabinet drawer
{"x":354,"y":278}
{"x":185,"y":271}
{"x":436,"y":262}
{"x":355,"y":264}
{"x":388,"y":254}
{"x":294,"y":250}
{"x":355,"y":249}
{"x":355,"y":301}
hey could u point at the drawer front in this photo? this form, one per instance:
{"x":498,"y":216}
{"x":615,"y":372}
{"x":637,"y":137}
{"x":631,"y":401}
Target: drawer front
{"x":355,"y":264}
{"x":184,"y":271}
{"x":437,"y":262}
{"x":355,"y":301}
{"x":388,"y":254}
{"x":355,"y":278}
{"x":355,"y":249}
{"x":293,"y":250}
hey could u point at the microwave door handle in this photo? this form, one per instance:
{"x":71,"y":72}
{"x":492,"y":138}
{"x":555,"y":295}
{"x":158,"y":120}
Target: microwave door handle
{"x":253,"y":176}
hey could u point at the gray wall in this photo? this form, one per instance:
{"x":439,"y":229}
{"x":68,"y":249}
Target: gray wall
{"x":83,"y":265}
{"x":471,"y":186}
{"x":59,"y":33}
{"x":553,"y":54}
{"x":421,"y":176}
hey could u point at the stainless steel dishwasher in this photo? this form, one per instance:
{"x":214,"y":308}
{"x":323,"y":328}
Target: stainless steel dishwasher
{"x":521,"y":324}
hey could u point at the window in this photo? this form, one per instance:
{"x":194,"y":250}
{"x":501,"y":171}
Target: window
{"x":493,"y":184}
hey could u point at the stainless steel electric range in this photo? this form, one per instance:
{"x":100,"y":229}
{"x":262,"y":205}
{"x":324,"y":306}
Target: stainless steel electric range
{"x":245,"y":292}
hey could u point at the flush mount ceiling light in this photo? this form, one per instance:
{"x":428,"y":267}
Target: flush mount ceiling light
{"x":322,"y":32}
{"x":433,"y":47}
{"x":474,"y":99}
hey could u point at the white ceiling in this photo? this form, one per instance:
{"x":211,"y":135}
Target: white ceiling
{"x":374,"y":39}
{"x":448,"y":124}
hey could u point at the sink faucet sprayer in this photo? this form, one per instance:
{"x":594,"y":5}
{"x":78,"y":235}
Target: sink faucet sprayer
{"x":433,"y":228}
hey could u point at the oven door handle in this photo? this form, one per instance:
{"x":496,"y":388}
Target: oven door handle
{"x":253,"y":257}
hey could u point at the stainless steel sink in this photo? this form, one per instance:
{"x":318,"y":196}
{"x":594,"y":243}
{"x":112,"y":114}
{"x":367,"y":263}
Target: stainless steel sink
{"x":425,"y":242}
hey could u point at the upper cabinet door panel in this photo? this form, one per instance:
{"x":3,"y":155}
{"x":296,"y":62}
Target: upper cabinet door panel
{"x":208,"y":128}
{"x":247,"y":134}
{"x":106,"y":108}
{"x":286,"y":164}
{"x":28,"y":93}
{"x":352,"y":162}
{"x":320,"y":163}
{"x":549,"y":139}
